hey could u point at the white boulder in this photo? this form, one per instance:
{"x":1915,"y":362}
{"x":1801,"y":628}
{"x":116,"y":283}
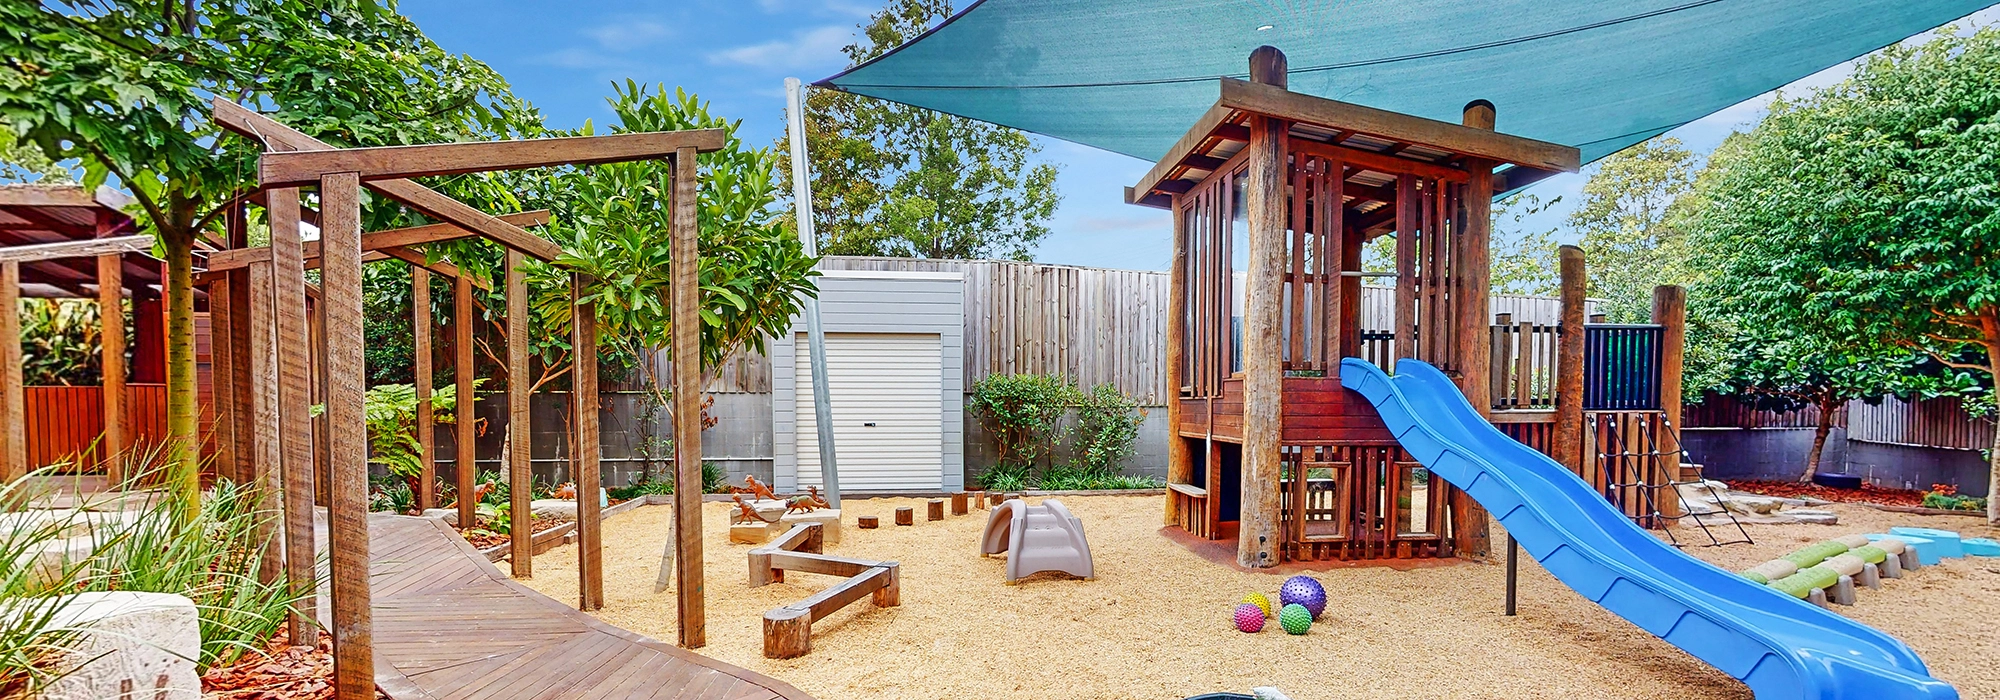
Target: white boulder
{"x":131,"y":644}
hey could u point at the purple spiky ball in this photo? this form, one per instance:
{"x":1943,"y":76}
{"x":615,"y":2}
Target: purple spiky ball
{"x":1304,"y":591}
{"x":1249,"y":618}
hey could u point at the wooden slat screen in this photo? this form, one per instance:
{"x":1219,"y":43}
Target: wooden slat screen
{"x":64,"y":422}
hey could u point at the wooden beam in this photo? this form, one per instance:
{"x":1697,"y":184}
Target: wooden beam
{"x":111,"y":360}
{"x":1171,"y":160}
{"x":375,"y":241}
{"x":417,"y":259}
{"x":584,"y":454}
{"x":13,"y":393}
{"x":295,"y":168}
{"x":346,"y":433}
{"x":1567,"y":443}
{"x":87,"y":248}
{"x":1369,"y":160}
{"x":685,"y":315}
{"x":519,"y":440}
{"x":425,"y":374}
{"x":295,"y":389}
{"x":34,"y":195}
{"x":260,"y":373}
{"x":279,"y":137}
{"x":464,"y":411}
{"x":1260,"y":540}
{"x":1393,"y":126}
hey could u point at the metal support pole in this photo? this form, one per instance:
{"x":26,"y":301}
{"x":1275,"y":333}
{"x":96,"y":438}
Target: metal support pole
{"x":815,"y":334}
{"x":1513,"y":569}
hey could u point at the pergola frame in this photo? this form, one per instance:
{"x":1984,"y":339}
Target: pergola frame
{"x":293,"y":159}
{"x":1303,"y":182}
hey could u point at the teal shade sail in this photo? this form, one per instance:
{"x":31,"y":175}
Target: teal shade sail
{"x":1130,"y":76}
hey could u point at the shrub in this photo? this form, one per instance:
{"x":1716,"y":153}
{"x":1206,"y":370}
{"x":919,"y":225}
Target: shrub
{"x":1107,"y":426}
{"x":1005,"y":477}
{"x":1022,"y":412}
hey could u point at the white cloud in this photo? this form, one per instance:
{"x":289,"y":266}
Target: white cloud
{"x":806,"y":49}
{"x":625,"y":35}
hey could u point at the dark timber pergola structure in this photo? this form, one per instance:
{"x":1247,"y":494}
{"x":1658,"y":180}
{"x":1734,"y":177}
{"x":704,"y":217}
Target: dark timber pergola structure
{"x":272,"y":383}
{"x":1297,"y":184}
{"x":63,"y":240}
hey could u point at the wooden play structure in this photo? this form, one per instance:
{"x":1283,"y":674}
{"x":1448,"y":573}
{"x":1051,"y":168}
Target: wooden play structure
{"x":788,"y":629}
{"x":267,"y":317}
{"x":1274,"y":194}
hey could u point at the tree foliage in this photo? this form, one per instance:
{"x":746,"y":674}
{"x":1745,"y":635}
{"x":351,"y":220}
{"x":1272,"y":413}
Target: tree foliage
{"x":123,"y":88}
{"x":895,"y":180}
{"x":1631,"y":226}
{"x":1869,"y":212}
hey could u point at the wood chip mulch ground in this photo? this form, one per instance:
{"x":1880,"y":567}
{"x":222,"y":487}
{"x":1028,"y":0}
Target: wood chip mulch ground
{"x":1866,"y":494}
{"x":278,"y":672}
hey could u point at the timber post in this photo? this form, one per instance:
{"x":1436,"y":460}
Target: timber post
{"x":1179,"y":463}
{"x":346,"y":432}
{"x":520,"y":475}
{"x":424,"y":375}
{"x":13,"y":395}
{"x":686,"y":321}
{"x":1259,"y":539}
{"x":465,"y":404}
{"x":111,"y":359}
{"x":1475,"y":340}
{"x":584,"y":447}
{"x":1569,"y":428}
{"x":1670,"y":311}
{"x":295,"y":371}
{"x":258,"y":325}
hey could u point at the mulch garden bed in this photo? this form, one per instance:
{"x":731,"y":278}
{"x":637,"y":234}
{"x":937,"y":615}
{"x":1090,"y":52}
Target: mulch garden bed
{"x":482,"y":539}
{"x":279,"y":672}
{"x":1866,"y":494}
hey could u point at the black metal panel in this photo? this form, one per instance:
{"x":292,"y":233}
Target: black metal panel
{"x":1621,"y":367}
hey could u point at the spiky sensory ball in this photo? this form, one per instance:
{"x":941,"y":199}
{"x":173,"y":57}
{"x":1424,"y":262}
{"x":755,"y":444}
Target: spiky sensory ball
{"x":1249,"y":618}
{"x":1305,"y":591}
{"x":1258,"y":600}
{"x":1295,"y":618}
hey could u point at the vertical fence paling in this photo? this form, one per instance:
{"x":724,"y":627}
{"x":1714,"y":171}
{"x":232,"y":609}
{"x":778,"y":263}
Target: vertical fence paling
{"x":64,"y":422}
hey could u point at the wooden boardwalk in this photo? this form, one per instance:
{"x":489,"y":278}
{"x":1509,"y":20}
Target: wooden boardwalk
{"x":449,"y":625}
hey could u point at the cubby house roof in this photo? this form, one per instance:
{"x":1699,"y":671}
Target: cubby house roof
{"x":1376,"y":143}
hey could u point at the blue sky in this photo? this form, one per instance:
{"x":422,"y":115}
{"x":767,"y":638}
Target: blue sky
{"x":564,"y":56}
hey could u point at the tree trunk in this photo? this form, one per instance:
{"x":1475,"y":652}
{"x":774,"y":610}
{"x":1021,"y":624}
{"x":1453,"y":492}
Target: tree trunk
{"x":1992,"y":324}
{"x":1827,"y":405}
{"x":183,"y":467}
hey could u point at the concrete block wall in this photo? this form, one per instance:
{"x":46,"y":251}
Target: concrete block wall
{"x":1778,"y":454}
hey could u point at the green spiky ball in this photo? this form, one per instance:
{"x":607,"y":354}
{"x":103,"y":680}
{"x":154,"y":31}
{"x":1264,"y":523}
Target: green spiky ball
{"x":1259,"y":600}
{"x":1295,"y":618}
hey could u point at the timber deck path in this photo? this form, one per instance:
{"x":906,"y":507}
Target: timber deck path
{"x":449,"y":625}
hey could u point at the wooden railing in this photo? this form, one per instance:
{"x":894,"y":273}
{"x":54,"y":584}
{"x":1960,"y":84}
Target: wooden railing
{"x":1524,"y":364}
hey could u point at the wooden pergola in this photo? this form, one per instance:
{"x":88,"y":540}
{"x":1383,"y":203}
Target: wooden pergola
{"x":1268,"y":442}
{"x":66,"y":241}
{"x":272,"y":390}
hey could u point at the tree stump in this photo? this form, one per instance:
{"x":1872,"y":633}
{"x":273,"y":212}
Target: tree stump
{"x":936,"y":510}
{"x":979,"y":499}
{"x":906,"y":516}
{"x":787,"y":633}
{"x":958,"y":501}
{"x":868,"y":522}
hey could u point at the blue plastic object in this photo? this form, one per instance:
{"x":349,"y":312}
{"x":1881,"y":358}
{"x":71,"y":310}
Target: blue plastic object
{"x":1981,"y":547}
{"x":1780,"y":646}
{"x":1925,"y":547}
{"x":1947,"y":544}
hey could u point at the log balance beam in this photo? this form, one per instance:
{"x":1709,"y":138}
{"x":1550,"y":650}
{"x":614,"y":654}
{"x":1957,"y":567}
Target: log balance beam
{"x":788,"y":629}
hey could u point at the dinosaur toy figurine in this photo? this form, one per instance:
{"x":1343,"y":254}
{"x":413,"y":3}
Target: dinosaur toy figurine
{"x":756,"y":489}
{"x":744,"y":513}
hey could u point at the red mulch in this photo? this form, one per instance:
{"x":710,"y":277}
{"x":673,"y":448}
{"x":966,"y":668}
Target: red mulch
{"x":483,"y":539}
{"x":1866,"y":494}
{"x":280,"y":672}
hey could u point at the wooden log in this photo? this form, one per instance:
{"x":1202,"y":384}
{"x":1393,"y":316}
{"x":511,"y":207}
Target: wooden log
{"x":1670,"y":311}
{"x":822,"y":564}
{"x":1408,"y":214}
{"x":868,"y":522}
{"x":1475,"y":347}
{"x":86,"y":248}
{"x":346,"y":369}
{"x":838,"y":596}
{"x":891,"y":593}
{"x":464,"y":452}
{"x":295,"y":388}
{"x":979,"y":499}
{"x":685,"y":314}
{"x":906,"y":516}
{"x":424,"y":375}
{"x":519,"y":472}
{"x":111,"y":359}
{"x":277,"y":169}
{"x":1259,"y":542}
{"x":13,"y":394}
{"x":958,"y":503}
{"x":935,"y":510}
{"x":787,"y":633}
{"x":1180,"y":468}
{"x":585,"y":446}
{"x":1567,"y":441}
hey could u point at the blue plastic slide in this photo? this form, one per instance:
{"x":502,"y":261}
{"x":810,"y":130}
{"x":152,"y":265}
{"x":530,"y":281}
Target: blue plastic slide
{"x":1782,"y":647}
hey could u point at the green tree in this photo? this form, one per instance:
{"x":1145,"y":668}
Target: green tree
{"x":1779,"y":370}
{"x":895,"y":180}
{"x":1869,"y":211}
{"x":1631,"y":227}
{"x":123,"y":88}
{"x":22,"y":161}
